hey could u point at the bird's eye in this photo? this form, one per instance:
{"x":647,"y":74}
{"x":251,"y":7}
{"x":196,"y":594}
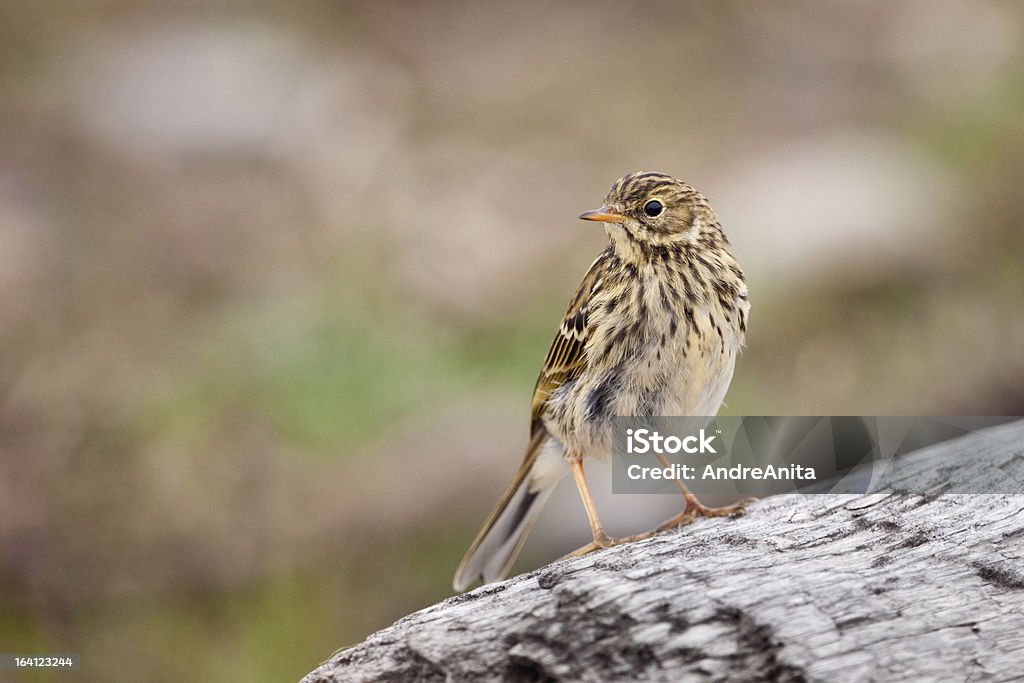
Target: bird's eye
{"x":653,"y":208}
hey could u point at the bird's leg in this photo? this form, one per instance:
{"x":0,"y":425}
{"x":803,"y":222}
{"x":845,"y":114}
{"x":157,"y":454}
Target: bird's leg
{"x":601,"y":538}
{"x":694,"y":508}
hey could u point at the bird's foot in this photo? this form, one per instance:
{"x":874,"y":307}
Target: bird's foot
{"x":603,"y":540}
{"x":694,"y":509}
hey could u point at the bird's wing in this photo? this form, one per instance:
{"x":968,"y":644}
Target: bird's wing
{"x":566,"y":358}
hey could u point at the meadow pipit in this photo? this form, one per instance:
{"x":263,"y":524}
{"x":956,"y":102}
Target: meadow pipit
{"x":653,"y":329}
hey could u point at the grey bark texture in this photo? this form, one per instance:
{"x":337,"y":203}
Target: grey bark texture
{"x":880,"y":587}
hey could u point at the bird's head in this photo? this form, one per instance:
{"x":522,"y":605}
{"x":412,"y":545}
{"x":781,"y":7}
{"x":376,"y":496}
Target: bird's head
{"x":647,"y":209}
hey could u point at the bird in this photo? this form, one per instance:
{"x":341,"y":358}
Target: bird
{"x":654,"y":328}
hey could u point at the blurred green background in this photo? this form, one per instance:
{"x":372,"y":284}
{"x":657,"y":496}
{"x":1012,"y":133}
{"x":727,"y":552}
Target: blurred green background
{"x":276,"y":279}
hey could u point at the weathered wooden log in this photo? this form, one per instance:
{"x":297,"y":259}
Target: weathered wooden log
{"x":887,"y":587}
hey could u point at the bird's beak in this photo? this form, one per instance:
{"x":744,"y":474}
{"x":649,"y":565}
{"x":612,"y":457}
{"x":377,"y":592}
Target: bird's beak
{"x":604,"y":214}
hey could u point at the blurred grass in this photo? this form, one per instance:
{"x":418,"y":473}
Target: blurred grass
{"x":974,"y":133}
{"x":350,"y":370}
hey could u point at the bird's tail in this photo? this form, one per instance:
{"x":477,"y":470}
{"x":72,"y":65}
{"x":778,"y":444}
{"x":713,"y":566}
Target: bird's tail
{"x":495,"y":548}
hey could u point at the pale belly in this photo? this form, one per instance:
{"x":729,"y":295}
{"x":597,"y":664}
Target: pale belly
{"x":654,"y":379}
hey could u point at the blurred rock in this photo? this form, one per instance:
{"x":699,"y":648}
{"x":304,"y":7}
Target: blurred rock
{"x":848,"y":203}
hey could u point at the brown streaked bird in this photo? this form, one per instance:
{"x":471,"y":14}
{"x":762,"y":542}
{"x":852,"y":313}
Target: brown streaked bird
{"x":653,"y":329}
